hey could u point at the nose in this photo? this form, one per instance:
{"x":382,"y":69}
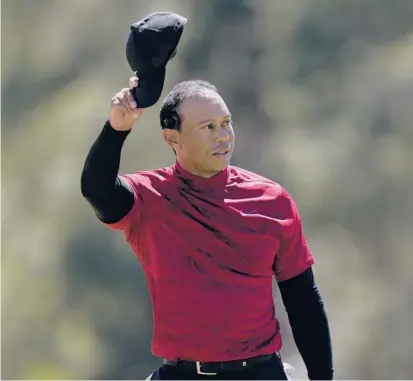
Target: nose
{"x":223,"y":135}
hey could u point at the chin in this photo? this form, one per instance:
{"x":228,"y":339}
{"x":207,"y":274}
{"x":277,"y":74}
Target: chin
{"x":221,"y":166}
{"x":219,"y":163}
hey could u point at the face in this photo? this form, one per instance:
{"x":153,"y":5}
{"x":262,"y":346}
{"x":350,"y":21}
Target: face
{"x":205,"y":143}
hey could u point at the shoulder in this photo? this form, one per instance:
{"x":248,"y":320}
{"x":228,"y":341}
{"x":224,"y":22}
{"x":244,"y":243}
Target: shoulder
{"x":271,"y":190}
{"x":154,"y":178}
{"x":244,"y":176}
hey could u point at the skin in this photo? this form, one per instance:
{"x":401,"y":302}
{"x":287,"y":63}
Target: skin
{"x":123,"y":112}
{"x":205,"y":143}
{"x":206,"y":134}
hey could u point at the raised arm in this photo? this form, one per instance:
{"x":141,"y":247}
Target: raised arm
{"x":110,"y":195}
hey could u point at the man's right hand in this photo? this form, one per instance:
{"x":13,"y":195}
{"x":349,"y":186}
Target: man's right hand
{"x":123,"y":110}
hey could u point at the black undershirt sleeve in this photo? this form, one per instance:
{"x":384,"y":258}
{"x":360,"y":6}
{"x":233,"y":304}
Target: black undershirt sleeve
{"x":110,"y":196}
{"x":309,"y":324}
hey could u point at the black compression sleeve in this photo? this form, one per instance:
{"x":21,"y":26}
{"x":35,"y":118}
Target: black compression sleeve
{"x":308,"y":320}
{"x":110,"y":197}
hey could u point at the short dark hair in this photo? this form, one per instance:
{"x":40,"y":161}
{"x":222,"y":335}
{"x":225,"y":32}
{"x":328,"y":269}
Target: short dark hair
{"x":170,"y":117}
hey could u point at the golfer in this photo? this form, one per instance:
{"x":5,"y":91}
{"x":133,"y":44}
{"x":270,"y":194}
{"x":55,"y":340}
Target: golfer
{"x":211,"y":237}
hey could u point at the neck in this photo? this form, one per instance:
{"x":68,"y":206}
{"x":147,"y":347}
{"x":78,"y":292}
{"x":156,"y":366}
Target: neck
{"x":212,"y":182}
{"x":198,"y":172}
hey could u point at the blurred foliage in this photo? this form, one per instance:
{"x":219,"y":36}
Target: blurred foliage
{"x":322,"y":94}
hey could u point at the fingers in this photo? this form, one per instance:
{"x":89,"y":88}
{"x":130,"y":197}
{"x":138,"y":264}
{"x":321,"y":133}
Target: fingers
{"x":133,"y":82}
{"x":125,"y":98}
{"x":116,"y":100}
{"x":131,"y":99}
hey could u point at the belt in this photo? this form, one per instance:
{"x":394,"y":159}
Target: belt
{"x":213,"y":368}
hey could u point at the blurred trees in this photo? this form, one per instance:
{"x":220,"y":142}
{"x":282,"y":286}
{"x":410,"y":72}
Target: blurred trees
{"x":321,"y":92}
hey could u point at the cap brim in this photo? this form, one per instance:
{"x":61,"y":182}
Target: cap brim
{"x":150,"y":87}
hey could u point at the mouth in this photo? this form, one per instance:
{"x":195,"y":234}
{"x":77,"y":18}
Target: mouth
{"x":222,"y":153}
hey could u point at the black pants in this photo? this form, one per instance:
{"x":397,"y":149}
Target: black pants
{"x":271,"y":369}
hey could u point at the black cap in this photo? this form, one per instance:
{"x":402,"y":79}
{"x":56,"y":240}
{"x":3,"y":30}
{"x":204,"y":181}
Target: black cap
{"x":152,"y":42}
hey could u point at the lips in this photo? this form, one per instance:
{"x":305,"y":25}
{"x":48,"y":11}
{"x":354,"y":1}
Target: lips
{"x":222,"y":152}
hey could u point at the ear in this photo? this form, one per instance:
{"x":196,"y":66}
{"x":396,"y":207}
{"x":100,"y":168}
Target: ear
{"x":171,"y":137}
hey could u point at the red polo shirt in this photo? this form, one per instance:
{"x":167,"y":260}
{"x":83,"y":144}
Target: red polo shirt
{"x":209,"y":249}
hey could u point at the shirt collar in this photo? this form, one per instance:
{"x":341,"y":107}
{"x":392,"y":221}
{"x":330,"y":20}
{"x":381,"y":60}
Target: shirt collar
{"x":199,"y":184}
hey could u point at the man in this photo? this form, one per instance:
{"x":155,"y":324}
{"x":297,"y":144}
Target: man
{"x":210,"y":237}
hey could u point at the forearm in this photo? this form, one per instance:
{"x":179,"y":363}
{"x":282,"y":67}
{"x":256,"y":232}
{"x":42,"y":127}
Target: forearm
{"x":110,"y":197}
{"x":309,"y":324}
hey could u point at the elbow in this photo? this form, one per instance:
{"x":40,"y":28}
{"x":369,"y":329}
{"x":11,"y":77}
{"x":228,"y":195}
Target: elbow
{"x":86,"y":185}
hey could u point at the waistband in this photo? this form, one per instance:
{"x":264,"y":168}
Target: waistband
{"x":213,"y":368}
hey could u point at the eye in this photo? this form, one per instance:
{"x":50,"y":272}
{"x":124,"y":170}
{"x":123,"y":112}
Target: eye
{"x":227,"y":123}
{"x":210,"y":126}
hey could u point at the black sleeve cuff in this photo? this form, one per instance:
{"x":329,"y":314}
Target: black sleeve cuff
{"x":109,"y":131}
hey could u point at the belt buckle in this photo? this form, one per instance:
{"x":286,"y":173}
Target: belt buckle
{"x":199,"y":371}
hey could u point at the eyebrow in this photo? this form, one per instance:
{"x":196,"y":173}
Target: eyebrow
{"x":228,"y":116}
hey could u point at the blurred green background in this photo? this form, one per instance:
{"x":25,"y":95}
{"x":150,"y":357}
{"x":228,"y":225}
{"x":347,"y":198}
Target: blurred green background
{"x":322,"y":97}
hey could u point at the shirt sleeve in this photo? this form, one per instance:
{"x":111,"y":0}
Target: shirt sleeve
{"x":109,"y":195}
{"x":132,"y":219}
{"x":294,"y":256}
{"x":309,"y":324}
